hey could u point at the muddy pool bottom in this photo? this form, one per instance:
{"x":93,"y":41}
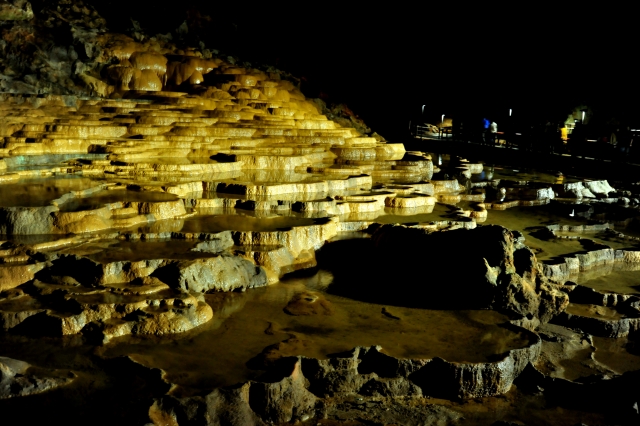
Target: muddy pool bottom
{"x":296,"y":316}
{"x":313,"y":322}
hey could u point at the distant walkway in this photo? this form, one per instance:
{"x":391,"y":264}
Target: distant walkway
{"x":589,"y":167}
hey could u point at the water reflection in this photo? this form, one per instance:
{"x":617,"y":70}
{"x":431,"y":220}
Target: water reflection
{"x":246,"y":323}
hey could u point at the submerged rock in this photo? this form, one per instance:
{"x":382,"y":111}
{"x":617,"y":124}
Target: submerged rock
{"x":19,"y":379}
{"x":180,"y":144}
{"x":601,"y":314}
{"x":308,"y":303}
{"x":101,"y":315}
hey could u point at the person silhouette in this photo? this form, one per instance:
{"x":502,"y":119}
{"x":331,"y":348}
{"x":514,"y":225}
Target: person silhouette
{"x":485,"y":129}
{"x":493,"y":130}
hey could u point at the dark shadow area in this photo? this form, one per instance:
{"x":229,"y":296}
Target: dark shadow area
{"x":83,"y":270}
{"x":437,"y":379}
{"x":122,"y":395}
{"x":540,"y":232}
{"x":169,"y":274}
{"x":616,"y":397}
{"x":39,"y":325}
{"x":414,"y":269}
{"x":384,"y":365}
{"x":593,"y":168}
{"x":278,"y":370}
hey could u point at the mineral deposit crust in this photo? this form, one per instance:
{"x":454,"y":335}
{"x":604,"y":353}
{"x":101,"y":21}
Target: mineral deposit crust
{"x":177,"y":172}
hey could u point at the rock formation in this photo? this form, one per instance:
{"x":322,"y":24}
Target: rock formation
{"x":17,"y":379}
{"x":185,"y":239}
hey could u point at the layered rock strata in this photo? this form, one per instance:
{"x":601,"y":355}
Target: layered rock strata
{"x":297,"y":389}
{"x":138,"y":177}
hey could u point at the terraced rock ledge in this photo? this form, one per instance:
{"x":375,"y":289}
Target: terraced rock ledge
{"x":188,"y":239}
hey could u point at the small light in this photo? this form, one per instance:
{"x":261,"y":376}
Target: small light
{"x":583,"y":116}
{"x":423,"y":109}
{"x":510,"y":111}
{"x":442,"y":122}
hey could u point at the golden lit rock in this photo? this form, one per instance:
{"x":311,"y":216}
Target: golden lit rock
{"x":161,"y":215}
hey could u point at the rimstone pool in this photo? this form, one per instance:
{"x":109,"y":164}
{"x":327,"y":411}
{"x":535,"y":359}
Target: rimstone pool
{"x":276,"y":267}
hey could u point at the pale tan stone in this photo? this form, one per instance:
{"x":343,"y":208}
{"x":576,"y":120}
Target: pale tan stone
{"x":410,"y":201}
{"x":12,"y":276}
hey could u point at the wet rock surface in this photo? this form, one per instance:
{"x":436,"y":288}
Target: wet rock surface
{"x":185,"y":239}
{"x":18,"y":378}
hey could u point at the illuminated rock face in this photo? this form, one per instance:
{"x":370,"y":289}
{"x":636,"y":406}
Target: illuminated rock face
{"x":251,"y":135}
{"x":16,"y":10}
{"x":157,"y":194}
{"x":170,"y":195}
{"x":168,"y":166}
